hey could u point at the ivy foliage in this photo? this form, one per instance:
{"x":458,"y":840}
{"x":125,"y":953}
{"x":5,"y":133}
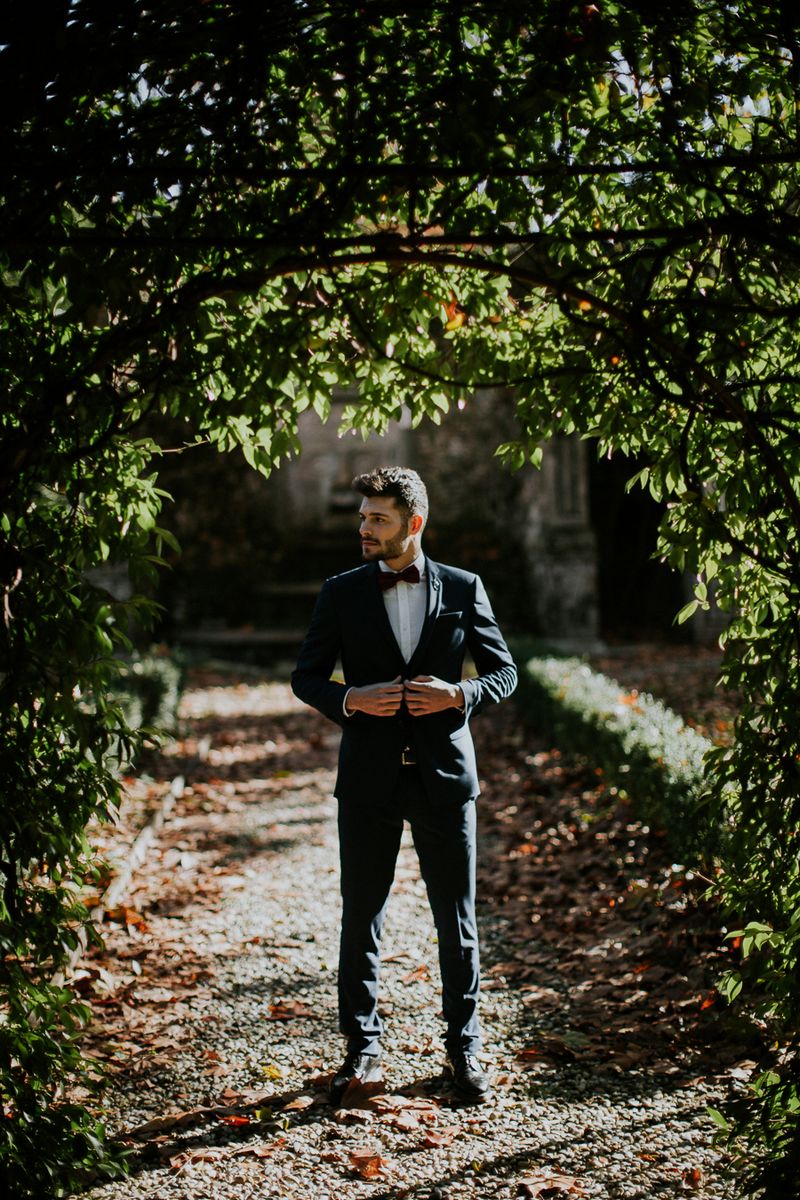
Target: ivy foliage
{"x":222,"y":212}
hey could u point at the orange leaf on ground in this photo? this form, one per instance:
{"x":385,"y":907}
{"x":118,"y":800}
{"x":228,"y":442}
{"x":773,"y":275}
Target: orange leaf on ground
{"x":359,"y":1095}
{"x":368,"y":1163}
{"x":383,"y":1103}
{"x":549,"y":1046}
{"x":692,"y":1178}
{"x":418,"y":975}
{"x":299,"y":1103}
{"x":546,"y":1184}
{"x":440,"y":1137}
{"x":126,"y":916}
{"x":234,"y":1120}
{"x":404,"y":1121}
{"x":259,"y":1151}
{"x":286,"y":1010}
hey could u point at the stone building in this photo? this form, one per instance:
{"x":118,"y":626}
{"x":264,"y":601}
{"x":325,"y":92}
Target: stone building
{"x":565,"y":553}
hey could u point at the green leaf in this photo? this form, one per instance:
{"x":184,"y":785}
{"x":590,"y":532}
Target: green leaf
{"x":687,"y":611}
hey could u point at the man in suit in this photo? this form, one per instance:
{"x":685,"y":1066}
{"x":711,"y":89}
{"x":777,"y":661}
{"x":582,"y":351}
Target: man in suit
{"x":401,"y":625}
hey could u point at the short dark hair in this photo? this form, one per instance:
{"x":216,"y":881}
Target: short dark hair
{"x":401,"y":483}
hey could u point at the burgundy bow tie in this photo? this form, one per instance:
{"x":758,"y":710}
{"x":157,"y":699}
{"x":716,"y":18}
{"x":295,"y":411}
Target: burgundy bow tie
{"x":387,"y":579}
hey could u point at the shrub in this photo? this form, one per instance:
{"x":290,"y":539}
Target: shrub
{"x":641,"y":746}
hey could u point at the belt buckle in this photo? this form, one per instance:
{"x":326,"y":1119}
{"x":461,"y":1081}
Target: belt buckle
{"x":407,"y":757}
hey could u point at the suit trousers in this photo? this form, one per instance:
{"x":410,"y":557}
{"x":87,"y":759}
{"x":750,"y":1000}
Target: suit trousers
{"x":369,"y":839}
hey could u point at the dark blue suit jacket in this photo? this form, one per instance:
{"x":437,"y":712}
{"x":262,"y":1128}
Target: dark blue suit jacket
{"x":350,"y":623}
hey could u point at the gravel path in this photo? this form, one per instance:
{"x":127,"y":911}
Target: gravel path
{"x":215,"y":1010}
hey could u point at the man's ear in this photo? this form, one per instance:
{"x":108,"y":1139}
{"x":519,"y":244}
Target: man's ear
{"x":415,"y":524}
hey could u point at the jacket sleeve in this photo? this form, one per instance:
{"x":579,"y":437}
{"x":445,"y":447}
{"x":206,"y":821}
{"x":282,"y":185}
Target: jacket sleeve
{"x":311,"y":678}
{"x":497,"y":674}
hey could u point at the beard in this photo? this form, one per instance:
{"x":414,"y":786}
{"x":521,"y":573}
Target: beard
{"x":383,"y":550}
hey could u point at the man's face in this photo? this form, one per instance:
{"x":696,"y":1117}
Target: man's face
{"x":383,"y":531}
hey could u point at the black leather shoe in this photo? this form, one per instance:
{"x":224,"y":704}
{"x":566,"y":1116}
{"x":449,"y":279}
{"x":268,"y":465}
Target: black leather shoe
{"x":366,"y":1068}
{"x":470,"y":1081}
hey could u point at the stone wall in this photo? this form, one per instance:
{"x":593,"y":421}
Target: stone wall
{"x":247,"y":539}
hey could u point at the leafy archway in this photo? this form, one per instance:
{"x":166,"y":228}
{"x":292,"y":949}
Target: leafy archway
{"x":222,"y":216}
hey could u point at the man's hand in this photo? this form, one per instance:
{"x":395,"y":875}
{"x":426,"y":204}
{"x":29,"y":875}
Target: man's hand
{"x":376,"y":699}
{"x":427,"y":694}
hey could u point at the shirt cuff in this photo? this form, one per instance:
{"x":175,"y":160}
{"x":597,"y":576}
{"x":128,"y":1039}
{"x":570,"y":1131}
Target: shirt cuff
{"x":344,"y":705}
{"x":462,"y":704}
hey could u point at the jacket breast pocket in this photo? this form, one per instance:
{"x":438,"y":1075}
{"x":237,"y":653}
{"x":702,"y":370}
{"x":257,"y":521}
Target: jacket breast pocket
{"x":449,"y":631}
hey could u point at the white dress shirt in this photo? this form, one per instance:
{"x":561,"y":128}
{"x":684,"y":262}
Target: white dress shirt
{"x":406,"y":605}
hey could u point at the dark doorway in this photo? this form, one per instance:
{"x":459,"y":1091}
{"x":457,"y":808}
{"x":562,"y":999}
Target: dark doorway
{"x":638,"y":596}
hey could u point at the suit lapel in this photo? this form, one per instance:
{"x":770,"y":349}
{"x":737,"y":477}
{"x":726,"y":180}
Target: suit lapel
{"x":374,"y":612}
{"x":434,"y":604}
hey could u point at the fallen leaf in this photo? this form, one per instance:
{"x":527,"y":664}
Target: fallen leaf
{"x":544,"y":1184}
{"x":404,"y":1121}
{"x":234,"y":1120}
{"x":368,"y":1163}
{"x":352,"y":1116}
{"x":553,"y":1047}
{"x":299,"y":1103}
{"x":123,"y":915}
{"x":259,"y":1150}
{"x":180,"y":1161}
{"x":419,"y":975}
{"x":286,"y":1010}
{"x":692,"y":1178}
{"x":359,"y":1095}
{"x":440,"y":1137}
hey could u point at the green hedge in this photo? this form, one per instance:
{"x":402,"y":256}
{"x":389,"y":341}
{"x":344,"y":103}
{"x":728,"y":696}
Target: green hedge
{"x":642,"y":747}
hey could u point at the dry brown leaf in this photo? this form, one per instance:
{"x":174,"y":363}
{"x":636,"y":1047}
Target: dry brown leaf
{"x":189,"y":1157}
{"x":434,"y":1138}
{"x":545,"y":1184}
{"x":548,"y":1046}
{"x":299,"y":1103}
{"x":404,"y":1121}
{"x":420,"y":974}
{"x":368,"y":1163}
{"x":287,"y":1010}
{"x":352,"y":1116}
{"x":383,"y":1102}
{"x":170,"y":1120}
{"x":359,"y":1095}
{"x":123,"y":915}
{"x":259,"y":1150}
